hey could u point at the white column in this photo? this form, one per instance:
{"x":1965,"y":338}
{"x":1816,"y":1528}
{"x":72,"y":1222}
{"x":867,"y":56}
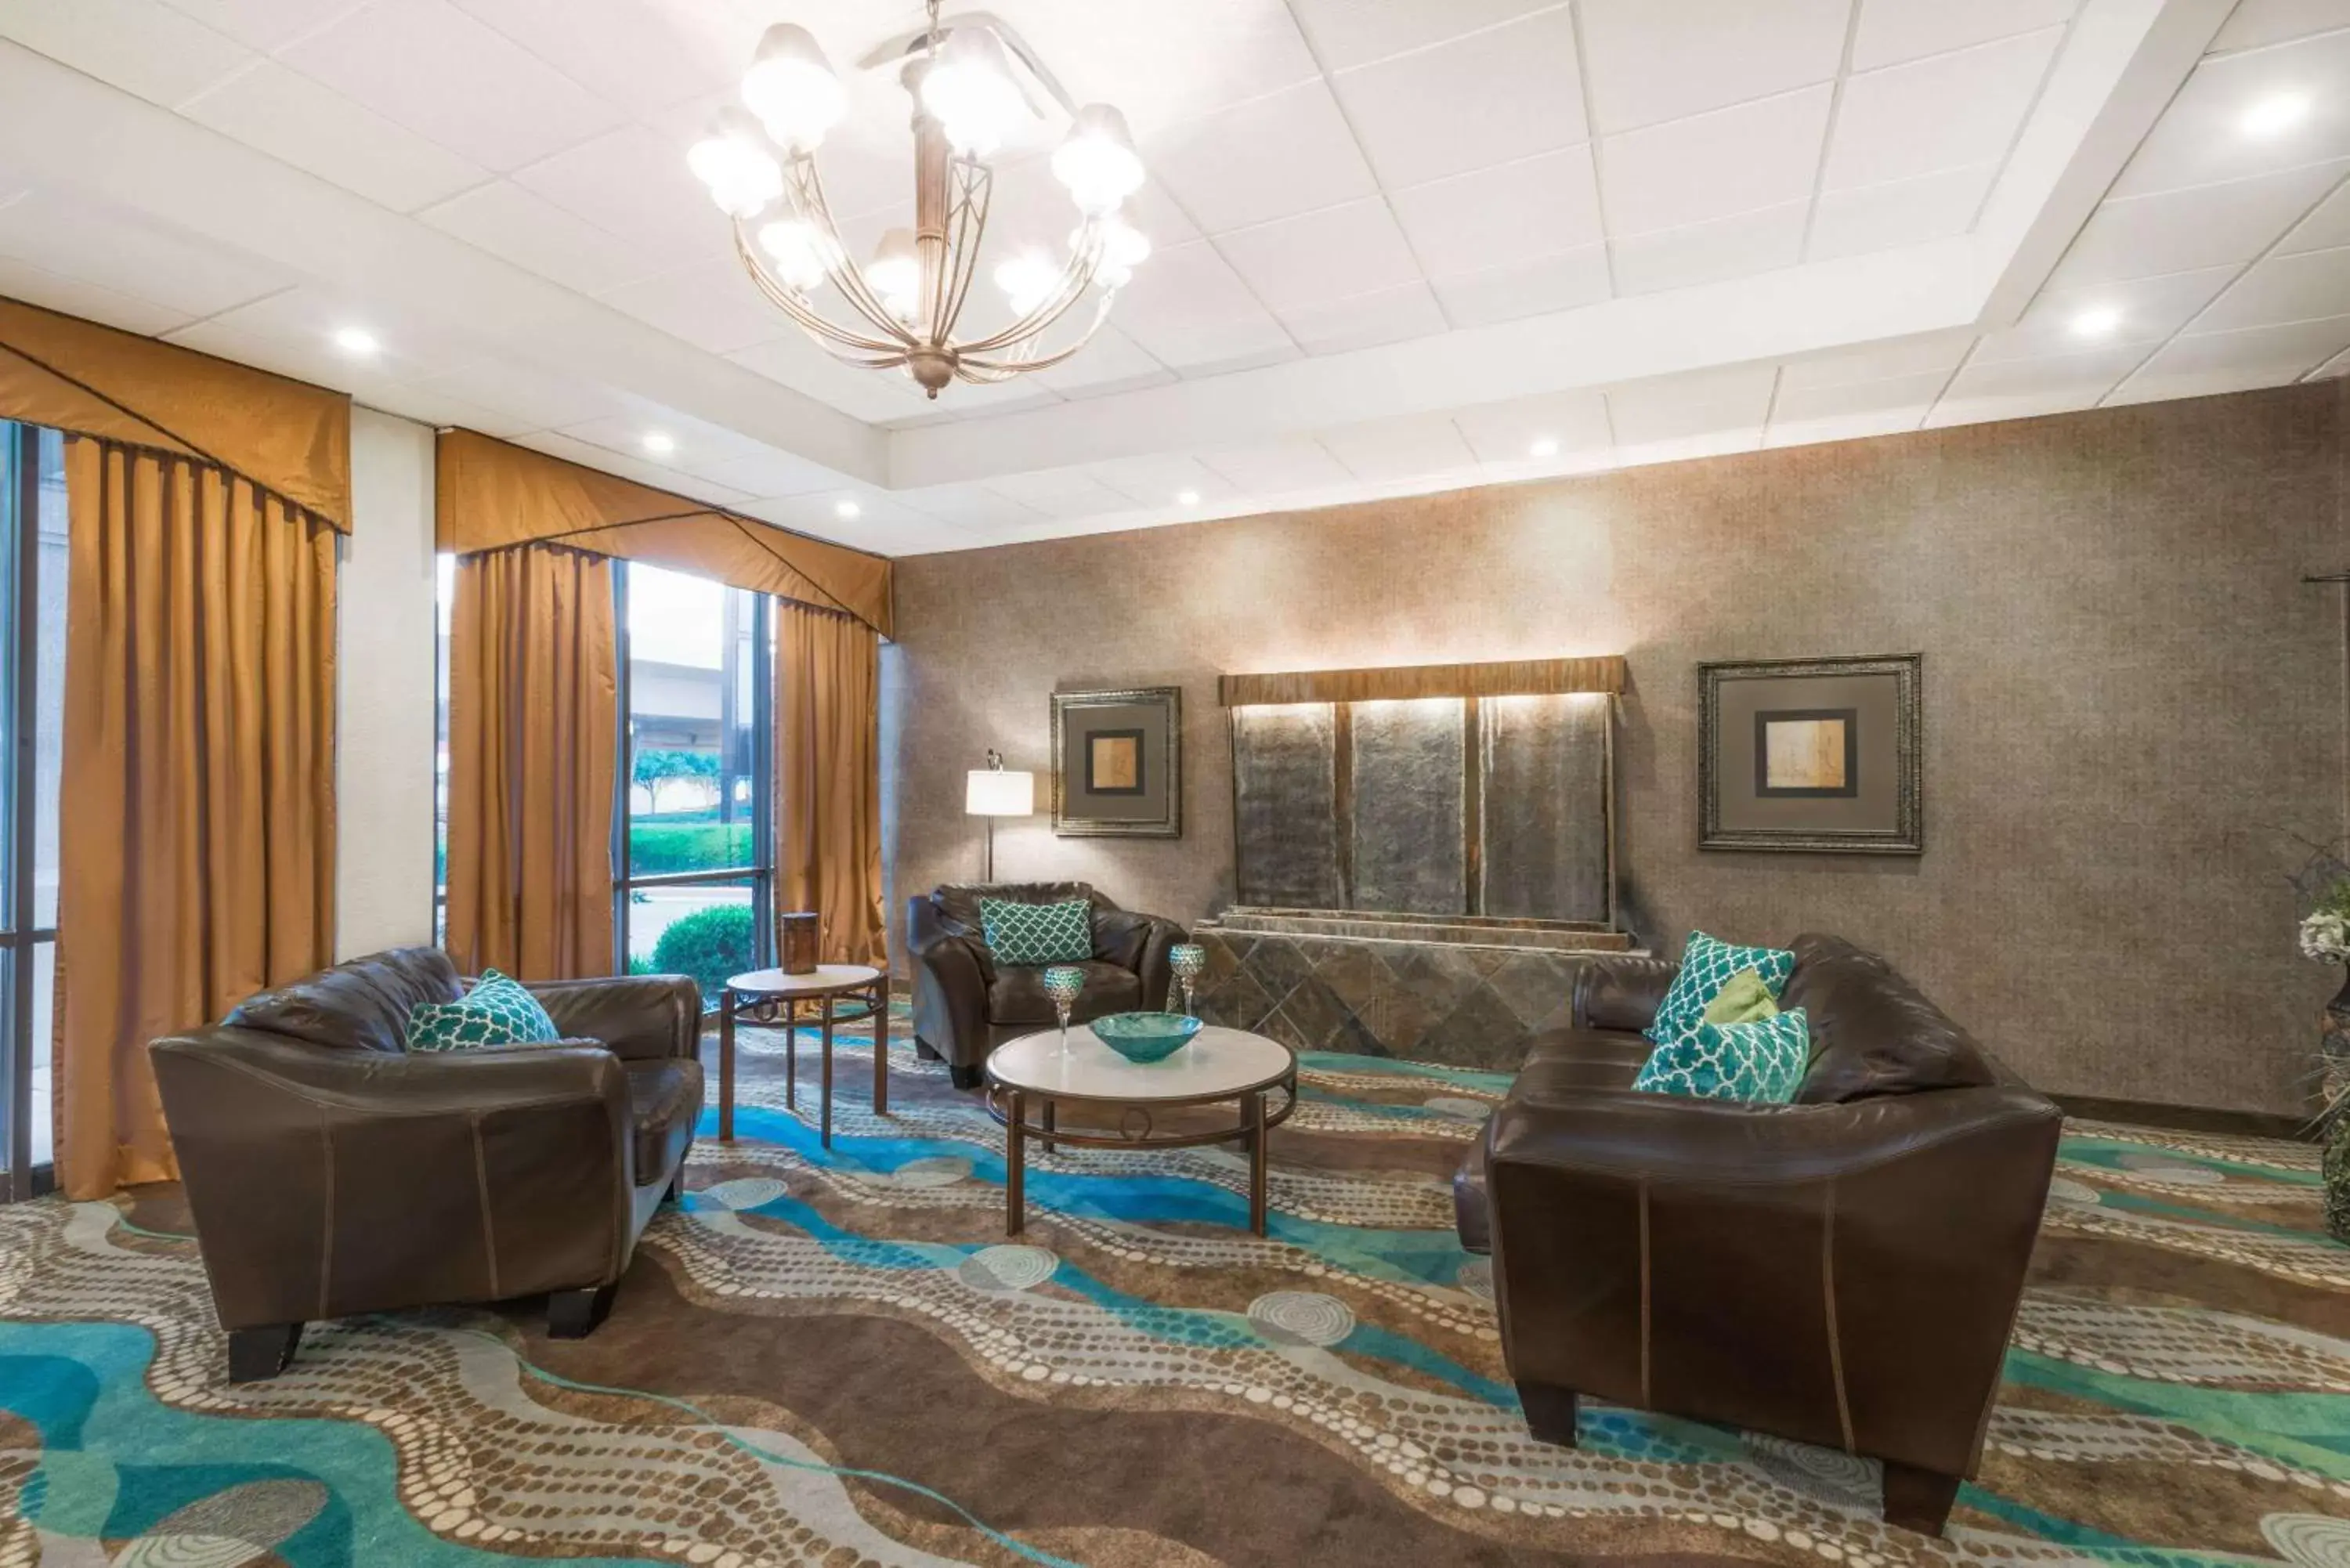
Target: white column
{"x":385,"y":727}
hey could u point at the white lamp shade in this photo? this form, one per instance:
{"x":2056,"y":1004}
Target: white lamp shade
{"x":996,"y":792}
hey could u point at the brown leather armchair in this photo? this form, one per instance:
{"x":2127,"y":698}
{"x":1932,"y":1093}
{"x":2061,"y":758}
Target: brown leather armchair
{"x":1842,"y":1270}
{"x":965,"y":1005}
{"x":330,"y":1172}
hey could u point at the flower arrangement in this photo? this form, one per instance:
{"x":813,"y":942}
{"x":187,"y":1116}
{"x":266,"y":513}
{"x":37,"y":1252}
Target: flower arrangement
{"x":2326,"y":929}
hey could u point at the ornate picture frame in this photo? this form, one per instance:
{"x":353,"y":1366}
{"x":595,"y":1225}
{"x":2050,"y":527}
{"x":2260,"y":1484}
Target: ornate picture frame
{"x":1118,"y":763}
{"x":1812,"y":755}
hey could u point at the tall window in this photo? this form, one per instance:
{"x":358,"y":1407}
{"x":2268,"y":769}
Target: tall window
{"x":693,"y":845}
{"x":32,"y":726}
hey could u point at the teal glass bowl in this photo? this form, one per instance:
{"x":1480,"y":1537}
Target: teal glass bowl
{"x":1146,"y":1037}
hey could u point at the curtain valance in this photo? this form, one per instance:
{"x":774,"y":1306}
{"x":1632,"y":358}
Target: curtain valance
{"x":493,"y":493}
{"x":287,"y":437}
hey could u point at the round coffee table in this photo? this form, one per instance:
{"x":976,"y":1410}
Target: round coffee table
{"x":768,"y":991}
{"x":1219,"y":1064}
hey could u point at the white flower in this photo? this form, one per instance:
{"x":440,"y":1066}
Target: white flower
{"x":2325,"y":935}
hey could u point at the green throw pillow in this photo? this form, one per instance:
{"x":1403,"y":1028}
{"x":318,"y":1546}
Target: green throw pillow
{"x":1029,"y":934}
{"x":1707,"y":964}
{"x":1745,"y":1000}
{"x":496,"y":1012}
{"x":1762,"y":1062}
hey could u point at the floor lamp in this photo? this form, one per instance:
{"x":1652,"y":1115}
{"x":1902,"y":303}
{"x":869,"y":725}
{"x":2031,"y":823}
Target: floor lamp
{"x":990,"y":792}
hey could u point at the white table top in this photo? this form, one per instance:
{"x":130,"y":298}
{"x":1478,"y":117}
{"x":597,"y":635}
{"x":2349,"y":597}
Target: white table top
{"x":1217,"y":1061}
{"x":826,"y":977}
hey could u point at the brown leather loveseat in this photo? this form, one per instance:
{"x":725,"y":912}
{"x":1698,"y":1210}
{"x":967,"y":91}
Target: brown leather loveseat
{"x":1842,"y":1270}
{"x":965,"y":1005}
{"x":331,"y":1172}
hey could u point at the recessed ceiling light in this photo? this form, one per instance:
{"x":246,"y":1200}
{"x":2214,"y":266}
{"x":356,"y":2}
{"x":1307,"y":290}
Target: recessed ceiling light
{"x":2097,"y":321}
{"x":844,"y":510}
{"x":356,"y":340}
{"x":1544,"y":447}
{"x":661,"y":443}
{"x":2275,"y":114}
{"x":1187,"y":498}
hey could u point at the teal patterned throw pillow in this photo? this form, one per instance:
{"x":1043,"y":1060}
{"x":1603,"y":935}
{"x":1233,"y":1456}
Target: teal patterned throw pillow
{"x":497,"y":1011}
{"x":1020,"y":933}
{"x":1762,"y":1062}
{"x":1707,"y":965}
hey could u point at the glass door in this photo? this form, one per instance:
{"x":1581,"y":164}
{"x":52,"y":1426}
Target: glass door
{"x":32,"y":730}
{"x":693,"y":836}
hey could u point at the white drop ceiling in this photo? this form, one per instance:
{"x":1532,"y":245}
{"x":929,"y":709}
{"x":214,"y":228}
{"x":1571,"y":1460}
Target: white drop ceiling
{"x":1402,"y":245}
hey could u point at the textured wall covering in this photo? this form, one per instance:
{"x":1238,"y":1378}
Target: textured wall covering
{"x":2130,"y":698}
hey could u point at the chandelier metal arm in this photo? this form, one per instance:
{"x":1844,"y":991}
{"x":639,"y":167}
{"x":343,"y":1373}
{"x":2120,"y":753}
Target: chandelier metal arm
{"x":807,"y":194}
{"x":997,"y":371}
{"x":975,"y":192}
{"x":1083,"y":264}
{"x":822,"y":327}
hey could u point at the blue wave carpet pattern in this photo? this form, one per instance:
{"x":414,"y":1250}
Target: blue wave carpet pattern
{"x":836,"y":1357}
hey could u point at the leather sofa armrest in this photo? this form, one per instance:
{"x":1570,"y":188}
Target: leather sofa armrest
{"x":1142,"y":943}
{"x":641,"y":1017}
{"x":331,"y":1182}
{"x":1621,"y":991}
{"x":951,"y":974}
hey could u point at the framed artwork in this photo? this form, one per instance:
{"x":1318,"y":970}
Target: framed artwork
{"x":1118,"y":763}
{"x":1812,"y":754}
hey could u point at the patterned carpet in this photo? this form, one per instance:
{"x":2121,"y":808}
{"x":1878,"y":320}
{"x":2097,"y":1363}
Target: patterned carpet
{"x":835,"y":1359}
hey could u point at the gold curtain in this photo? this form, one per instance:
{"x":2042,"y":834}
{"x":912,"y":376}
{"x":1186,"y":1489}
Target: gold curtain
{"x":196,"y":852}
{"x":534,"y":713}
{"x":492,"y":493}
{"x":289,"y":438}
{"x":829,"y":779}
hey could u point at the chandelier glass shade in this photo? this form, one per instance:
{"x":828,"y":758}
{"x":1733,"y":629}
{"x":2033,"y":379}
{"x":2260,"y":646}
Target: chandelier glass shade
{"x":901,"y":308}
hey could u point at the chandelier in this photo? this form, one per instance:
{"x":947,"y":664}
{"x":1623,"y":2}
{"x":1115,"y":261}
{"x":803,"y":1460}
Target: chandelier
{"x":900,"y":309}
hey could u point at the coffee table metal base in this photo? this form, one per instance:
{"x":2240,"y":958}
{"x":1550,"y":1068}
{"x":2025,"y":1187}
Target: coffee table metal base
{"x":1012,"y":1107}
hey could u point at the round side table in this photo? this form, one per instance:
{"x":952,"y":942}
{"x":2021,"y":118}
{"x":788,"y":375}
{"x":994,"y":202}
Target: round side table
{"x":770,"y":993}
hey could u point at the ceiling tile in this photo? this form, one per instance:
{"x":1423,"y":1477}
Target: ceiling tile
{"x":1347,"y":33}
{"x":2255,"y":23}
{"x":1800,"y":415}
{"x":1937,"y":354}
{"x":140,"y":45}
{"x":1695,"y":170}
{"x":793,"y":360}
{"x":1948,"y":111}
{"x":1280,"y":155}
{"x":635,"y":182}
{"x":298,"y":325}
{"x":1278,"y":468}
{"x":968,"y":506}
{"x":1676,"y":408}
{"x":605,"y":459}
{"x":1112,"y":362}
{"x":1164,"y":480}
{"x":1158,"y":62}
{"x":132,"y":253}
{"x":2148,"y":310}
{"x":443,"y":74}
{"x":2328,"y":225}
{"x":2202,"y":363}
{"x":2304,"y":287}
{"x":425,"y":405}
{"x":1511,"y":213}
{"x":1526,"y":288}
{"x":2202,"y":225}
{"x":1571,"y":422}
{"x":882,"y":524}
{"x":536,"y":235}
{"x":538,"y":399}
{"x":1399,"y":451}
{"x":770,"y":473}
{"x":1892,"y":31}
{"x":642,"y":57}
{"x":313,"y":128}
{"x":1477,"y":101}
{"x":266,"y":25}
{"x":1339,"y":251}
{"x":1189,"y":310}
{"x":1651,"y":62}
{"x":2201,"y":137}
{"x":712,"y":304}
{"x":1903,"y":212}
{"x":1365,"y":320}
{"x":2021,"y":388}
{"x":1706,"y":252}
{"x":1060,"y":493}
{"x":78,"y":296}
